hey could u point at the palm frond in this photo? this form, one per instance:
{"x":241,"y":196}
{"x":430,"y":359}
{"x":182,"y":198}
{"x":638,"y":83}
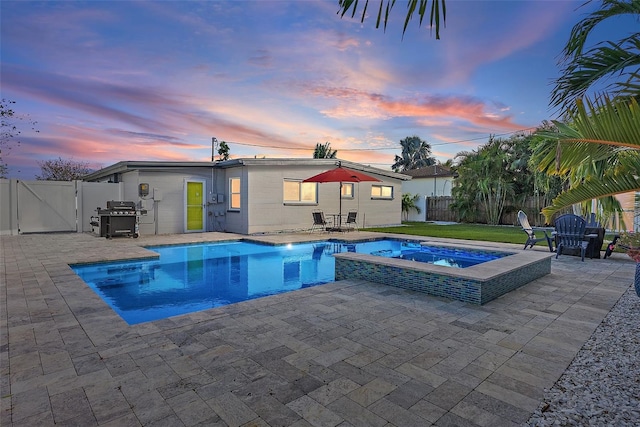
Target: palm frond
{"x":598,"y":64}
{"x":593,"y":189}
{"x":614,"y":122}
{"x":597,"y":129}
{"x":438,"y":12}
{"x":583,"y":29}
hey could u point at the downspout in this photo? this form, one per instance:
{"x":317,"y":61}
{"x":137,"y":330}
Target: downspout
{"x":211,"y":210}
{"x":435,"y":180}
{"x":155,"y":216}
{"x":426,"y":208}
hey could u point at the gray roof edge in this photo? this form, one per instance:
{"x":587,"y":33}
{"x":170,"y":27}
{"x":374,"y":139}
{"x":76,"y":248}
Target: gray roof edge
{"x":431,"y":171}
{"x":328,"y":162}
{"x":129,"y":165}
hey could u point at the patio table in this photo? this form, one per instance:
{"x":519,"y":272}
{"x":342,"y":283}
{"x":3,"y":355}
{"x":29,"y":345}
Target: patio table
{"x":337,"y":221}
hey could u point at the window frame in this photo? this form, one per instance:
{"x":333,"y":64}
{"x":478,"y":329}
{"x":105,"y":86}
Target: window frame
{"x":238,"y":193}
{"x":382,"y":196}
{"x":351,"y":194}
{"x":299,"y":201}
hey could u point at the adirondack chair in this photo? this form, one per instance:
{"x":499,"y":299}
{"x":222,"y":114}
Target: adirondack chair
{"x":570,"y":234}
{"x":531,"y":235}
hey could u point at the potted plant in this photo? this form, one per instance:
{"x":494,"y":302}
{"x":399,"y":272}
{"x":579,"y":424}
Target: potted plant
{"x":630,"y":242}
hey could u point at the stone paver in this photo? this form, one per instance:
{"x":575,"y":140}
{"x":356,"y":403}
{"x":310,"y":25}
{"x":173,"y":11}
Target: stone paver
{"x":342,"y":354}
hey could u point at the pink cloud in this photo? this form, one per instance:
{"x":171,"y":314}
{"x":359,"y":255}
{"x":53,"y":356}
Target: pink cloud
{"x":145,"y":113}
{"x":425,"y":110}
{"x":462,"y":108}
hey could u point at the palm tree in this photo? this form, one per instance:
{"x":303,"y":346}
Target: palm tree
{"x":485,"y":178}
{"x":324,"y":151}
{"x":438,"y":11}
{"x":416,"y":154}
{"x":408,"y":203}
{"x":600,"y":143}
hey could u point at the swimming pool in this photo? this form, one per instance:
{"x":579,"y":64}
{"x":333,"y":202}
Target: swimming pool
{"x":195,"y":277}
{"x":442,"y":255}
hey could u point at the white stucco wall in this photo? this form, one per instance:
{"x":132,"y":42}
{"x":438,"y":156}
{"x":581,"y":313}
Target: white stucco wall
{"x":165,"y":203}
{"x":263,"y":209}
{"x":268,"y":212}
{"x":426,"y":187}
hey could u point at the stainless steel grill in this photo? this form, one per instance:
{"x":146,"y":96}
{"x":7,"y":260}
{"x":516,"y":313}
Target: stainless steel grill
{"x":120,"y":218}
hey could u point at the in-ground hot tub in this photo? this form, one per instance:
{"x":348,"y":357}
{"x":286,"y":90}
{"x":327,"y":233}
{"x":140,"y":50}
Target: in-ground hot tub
{"x":477,"y":284}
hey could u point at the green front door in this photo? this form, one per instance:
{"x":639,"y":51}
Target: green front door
{"x":195,"y":206}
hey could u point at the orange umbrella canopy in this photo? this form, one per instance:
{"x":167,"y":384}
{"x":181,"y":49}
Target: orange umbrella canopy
{"x":341,"y":174}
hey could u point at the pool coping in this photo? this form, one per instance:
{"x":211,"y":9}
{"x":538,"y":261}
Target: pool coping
{"x":476,"y":284}
{"x":483,"y":272}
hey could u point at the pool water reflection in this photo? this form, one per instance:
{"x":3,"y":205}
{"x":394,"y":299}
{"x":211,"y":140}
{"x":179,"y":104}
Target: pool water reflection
{"x":196,"y":277}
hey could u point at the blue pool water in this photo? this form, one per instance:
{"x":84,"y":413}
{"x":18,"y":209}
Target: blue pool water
{"x":196,"y":277}
{"x":447,"y":256}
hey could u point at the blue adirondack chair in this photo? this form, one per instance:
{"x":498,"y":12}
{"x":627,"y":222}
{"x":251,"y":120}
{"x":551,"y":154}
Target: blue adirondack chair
{"x":570,"y":234}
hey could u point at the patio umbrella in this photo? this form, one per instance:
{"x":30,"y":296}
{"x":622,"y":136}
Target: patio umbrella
{"x":341,"y":175}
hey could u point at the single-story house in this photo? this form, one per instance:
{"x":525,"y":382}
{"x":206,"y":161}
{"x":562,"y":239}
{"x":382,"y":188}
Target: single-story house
{"x":250,"y":195}
{"x":429,"y":181}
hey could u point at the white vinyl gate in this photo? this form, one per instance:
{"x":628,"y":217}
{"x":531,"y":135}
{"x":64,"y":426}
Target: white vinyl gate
{"x":52,"y":206}
{"x":46,"y":206}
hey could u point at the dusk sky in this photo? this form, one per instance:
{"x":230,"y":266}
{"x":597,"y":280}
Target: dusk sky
{"x":124,"y":80}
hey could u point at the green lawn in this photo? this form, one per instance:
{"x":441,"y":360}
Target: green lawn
{"x":489,"y":233}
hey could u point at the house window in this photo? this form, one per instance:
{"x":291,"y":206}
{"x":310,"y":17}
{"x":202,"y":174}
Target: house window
{"x":347,"y":190}
{"x":300,"y":192}
{"x":234,"y":193}
{"x":381,"y":192}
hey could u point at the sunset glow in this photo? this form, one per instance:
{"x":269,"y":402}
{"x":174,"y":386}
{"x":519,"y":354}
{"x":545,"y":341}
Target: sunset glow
{"x":115,"y":81}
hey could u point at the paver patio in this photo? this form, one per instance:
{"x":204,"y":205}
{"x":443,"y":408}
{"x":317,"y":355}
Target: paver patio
{"x":349,"y":353}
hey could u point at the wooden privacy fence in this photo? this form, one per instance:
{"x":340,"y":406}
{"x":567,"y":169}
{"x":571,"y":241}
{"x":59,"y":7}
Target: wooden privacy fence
{"x":438,"y":209}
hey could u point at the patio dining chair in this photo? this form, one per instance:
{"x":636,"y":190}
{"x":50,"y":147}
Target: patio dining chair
{"x":531,"y":235}
{"x":351,"y":223}
{"x":570,"y":234}
{"x":319,"y":221}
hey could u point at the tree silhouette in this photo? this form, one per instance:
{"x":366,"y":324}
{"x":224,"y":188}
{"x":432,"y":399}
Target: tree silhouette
{"x":9,"y":130}
{"x":416,"y":154}
{"x":324,"y":151}
{"x":62,"y":170}
{"x":223,"y":151}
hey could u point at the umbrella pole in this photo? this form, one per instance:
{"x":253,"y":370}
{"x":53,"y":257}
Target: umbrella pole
{"x":340,"y":208}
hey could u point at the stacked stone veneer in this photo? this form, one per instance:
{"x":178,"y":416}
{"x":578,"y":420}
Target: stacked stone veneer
{"x":438,"y":283}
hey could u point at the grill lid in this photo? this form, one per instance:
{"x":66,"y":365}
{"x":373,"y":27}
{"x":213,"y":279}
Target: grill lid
{"x":120,"y":205}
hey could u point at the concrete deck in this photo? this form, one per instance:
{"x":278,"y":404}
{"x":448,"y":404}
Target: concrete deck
{"x":350,"y":353}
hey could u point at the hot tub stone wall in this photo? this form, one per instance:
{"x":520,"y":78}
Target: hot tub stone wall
{"x":441,"y":285}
